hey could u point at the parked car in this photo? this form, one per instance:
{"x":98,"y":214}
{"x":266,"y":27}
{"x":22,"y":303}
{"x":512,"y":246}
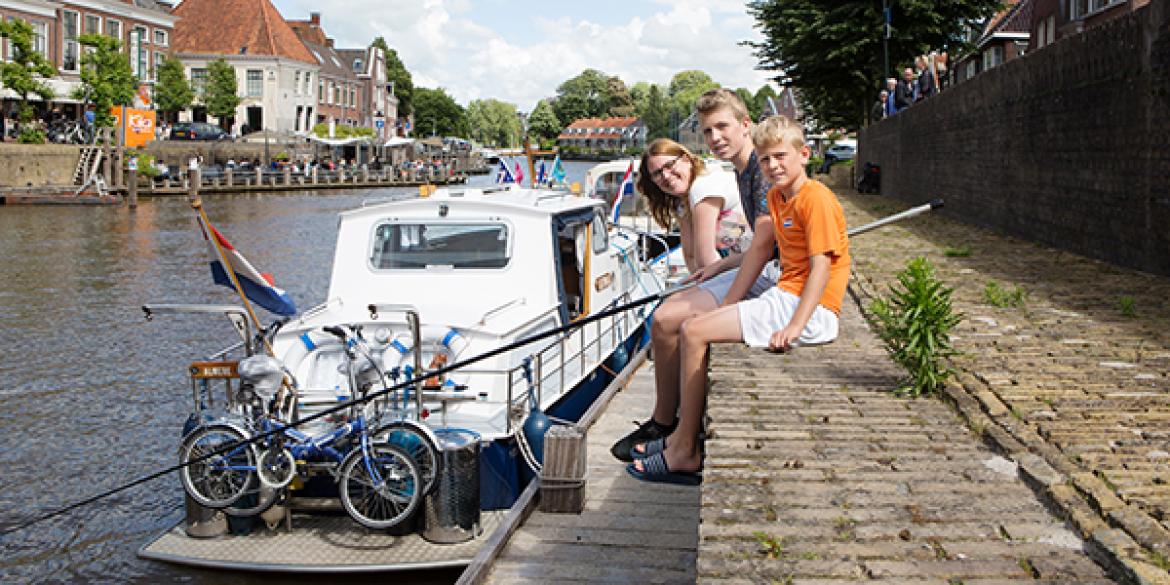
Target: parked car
{"x":840,"y":152}
{"x":198,"y":131}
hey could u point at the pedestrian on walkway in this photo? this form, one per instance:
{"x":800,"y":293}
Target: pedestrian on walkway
{"x":878,"y":111}
{"x":809,"y":225}
{"x":926,"y":79}
{"x":904,"y":93}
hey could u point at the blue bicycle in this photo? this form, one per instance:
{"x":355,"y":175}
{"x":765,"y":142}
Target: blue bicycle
{"x":380,"y":484}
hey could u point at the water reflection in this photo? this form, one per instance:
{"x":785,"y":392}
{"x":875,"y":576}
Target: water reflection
{"x":92,"y":395}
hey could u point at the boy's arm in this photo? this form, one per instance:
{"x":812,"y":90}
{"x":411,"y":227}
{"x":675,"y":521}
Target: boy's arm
{"x":757,"y":255}
{"x":814,"y":287}
{"x":716,"y":268}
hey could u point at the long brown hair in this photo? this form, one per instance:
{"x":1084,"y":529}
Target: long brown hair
{"x":662,"y":205}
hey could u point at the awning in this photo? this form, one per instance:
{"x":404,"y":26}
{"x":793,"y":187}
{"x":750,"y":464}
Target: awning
{"x":398,"y":141}
{"x":338,"y":141}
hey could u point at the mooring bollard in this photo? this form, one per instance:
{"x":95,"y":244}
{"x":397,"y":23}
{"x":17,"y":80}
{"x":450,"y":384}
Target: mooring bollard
{"x":133,"y":184}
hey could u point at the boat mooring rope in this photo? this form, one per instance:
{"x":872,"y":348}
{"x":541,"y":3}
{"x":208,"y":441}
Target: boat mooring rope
{"x":348,"y":404}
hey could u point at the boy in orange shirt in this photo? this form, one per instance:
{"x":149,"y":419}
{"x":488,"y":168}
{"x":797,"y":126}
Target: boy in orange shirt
{"x":809,"y":226}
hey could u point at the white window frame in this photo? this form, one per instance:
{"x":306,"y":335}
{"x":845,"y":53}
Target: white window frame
{"x":159,"y":33}
{"x":254,"y":87}
{"x":67,"y":42}
{"x":85,"y":21}
{"x":121,"y":36}
{"x":198,"y":77}
{"x":139,"y":55}
{"x":297,"y":84}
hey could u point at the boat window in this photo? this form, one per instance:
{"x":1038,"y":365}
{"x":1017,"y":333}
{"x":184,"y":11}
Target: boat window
{"x":440,"y":245}
{"x":600,"y":235}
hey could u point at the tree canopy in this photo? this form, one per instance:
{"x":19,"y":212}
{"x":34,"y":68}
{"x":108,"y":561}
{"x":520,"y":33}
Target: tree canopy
{"x":584,"y":96}
{"x":621,"y":104}
{"x":494,"y":122}
{"x":685,"y":89}
{"x":173,"y":92}
{"x":832,"y":51}
{"x":437,"y":112}
{"x":543,"y":122}
{"x":657,"y":114}
{"x":222,"y":93}
{"x":397,"y":74}
{"x":106,"y":77}
{"x":26,"y":71}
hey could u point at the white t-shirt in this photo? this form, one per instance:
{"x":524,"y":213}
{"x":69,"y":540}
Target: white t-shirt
{"x":733,"y":233}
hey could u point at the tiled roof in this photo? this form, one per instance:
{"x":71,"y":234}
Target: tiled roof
{"x":604,"y":122}
{"x":1016,"y":17}
{"x":235,"y":27}
{"x":348,"y":56}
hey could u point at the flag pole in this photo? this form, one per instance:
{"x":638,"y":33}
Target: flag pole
{"x":285,"y":398}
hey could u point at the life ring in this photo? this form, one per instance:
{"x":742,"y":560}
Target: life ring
{"x":307,"y":342}
{"x":400,"y":351}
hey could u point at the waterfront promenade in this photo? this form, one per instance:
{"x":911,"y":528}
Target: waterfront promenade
{"x":816,"y":474}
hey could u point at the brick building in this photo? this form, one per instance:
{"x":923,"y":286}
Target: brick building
{"x":604,"y":134}
{"x":1054,"y":19}
{"x":337,"y":85}
{"x":376,"y":101}
{"x":145,"y":28}
{"x":277,"y":75}
{"x":1005,"y":37}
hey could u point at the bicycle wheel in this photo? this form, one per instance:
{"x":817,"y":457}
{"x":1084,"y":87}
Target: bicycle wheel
{"x":382,"y":491}
{"x":276,"y":467}
{"x":418,"y":445}
{"x":216,"y":481}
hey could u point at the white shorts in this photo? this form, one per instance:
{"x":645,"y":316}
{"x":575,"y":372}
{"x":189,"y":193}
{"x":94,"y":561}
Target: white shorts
{"x":720,"y":284}
{"x":760,"y":317}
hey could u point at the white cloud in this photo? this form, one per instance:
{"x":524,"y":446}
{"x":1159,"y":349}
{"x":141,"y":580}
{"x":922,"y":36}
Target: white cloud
{"x":444,"y":45}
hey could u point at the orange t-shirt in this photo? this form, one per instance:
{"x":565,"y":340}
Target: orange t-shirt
{"x":809,"y":224}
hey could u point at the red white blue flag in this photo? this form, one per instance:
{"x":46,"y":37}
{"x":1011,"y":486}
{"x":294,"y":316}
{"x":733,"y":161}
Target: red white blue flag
{"x":503,"y":175}
{"x":541,"y":174}
{"x":258,"y":287}
{"x":627,"y":186}
{"x":519,"y":174}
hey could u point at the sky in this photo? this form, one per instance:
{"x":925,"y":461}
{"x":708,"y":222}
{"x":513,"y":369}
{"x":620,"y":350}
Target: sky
{"x":519,"y":51}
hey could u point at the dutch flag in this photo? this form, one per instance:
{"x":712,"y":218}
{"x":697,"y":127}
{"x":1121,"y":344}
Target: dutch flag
{"x":258,"y":287}
{"x":627,"y":186}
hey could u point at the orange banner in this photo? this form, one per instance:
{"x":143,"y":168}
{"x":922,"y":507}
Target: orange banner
{"x":139,"y":125}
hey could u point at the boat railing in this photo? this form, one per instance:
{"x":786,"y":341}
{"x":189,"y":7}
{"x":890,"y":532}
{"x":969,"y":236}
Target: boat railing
{"x":552,"y":363}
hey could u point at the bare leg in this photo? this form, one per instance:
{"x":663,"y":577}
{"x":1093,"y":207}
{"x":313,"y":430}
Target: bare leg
{"x":696,"y":335}
{"x":664,"y":337}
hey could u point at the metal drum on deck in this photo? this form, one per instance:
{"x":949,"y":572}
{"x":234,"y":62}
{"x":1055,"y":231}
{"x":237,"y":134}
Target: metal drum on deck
{"x":452,"y":508}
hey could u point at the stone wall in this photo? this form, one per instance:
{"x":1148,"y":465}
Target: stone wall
{"x":37,"y":165}
{"x":1068,"y":146}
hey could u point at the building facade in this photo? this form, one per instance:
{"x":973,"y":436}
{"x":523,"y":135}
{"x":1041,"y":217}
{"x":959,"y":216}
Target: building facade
{"x":619,"y":134}
{"x":144,"y":27}
{"x":276,"y":74}
{"x":337,"y":86}
{"x":377,"y":105}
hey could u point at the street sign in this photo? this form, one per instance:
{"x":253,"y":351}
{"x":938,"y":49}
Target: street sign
{"x":379,"y":123}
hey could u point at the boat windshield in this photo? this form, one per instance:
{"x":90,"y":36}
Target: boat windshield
{"x":440,"y":245}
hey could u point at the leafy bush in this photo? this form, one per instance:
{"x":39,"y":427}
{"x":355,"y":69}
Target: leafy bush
{"x":915,"y":321}
{"x":146,"y":166}
{"x":31,"y":134}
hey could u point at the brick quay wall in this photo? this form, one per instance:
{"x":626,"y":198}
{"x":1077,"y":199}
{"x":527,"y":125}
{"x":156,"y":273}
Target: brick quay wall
{"x":1068,"y":146}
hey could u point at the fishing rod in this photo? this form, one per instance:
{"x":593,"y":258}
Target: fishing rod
{"x":413,"y":380}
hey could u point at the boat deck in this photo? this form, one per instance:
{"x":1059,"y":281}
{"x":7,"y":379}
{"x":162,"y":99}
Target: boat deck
{"x":317,"y":543}
{"x":629,"y":532}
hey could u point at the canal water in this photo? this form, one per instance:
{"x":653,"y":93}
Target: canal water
{"x":92,"y":395}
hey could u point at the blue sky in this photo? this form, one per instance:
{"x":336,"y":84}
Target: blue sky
{"x":519,"y":51}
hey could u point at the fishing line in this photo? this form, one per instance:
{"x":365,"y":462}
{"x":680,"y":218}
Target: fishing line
{"x":350,"y":403}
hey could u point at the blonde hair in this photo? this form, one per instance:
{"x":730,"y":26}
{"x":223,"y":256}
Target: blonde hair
{"x":722,"y":98}
{"x":662,"y":207}
{"x":778,"y":130}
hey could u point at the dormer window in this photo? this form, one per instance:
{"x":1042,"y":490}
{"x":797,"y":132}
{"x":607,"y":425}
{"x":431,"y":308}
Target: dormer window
{"x":357,"y":66}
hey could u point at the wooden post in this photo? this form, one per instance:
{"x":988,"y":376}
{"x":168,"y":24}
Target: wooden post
{"x":192,"y":184}
{"x":133,"y":187}
{"x":229,"y":173}
{"x":287,"y":177}
{"x":315,"y":167}
{"x":562,"y":480}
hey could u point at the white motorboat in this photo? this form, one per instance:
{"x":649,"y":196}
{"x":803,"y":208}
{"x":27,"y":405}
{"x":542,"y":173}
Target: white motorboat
{"x":426,"y":283}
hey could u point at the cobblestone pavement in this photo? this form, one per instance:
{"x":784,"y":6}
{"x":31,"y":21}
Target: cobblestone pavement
{"x":815,"y":473}
{"x":1065,"y":367}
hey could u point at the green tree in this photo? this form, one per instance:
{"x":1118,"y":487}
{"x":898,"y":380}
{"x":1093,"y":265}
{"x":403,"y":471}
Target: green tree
{"x":494,"y":122}
{"x":584,"y":96}
{"x":749,"y":100}
{"x":222,"y":93}
{"x":173,"y":92}
{"x":106,"y":78}
{"x":621,"y":104}
{"x":25,"y":73}
{"x":436,"y":111}
{"x":685,"y":89}
{"x":761,"y":97}
{"x":543,"y":122}
{"x":397,"y":74}
{"x":640,"y":94}
{"x":832,"y":51}
{"x":657,"y":114}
